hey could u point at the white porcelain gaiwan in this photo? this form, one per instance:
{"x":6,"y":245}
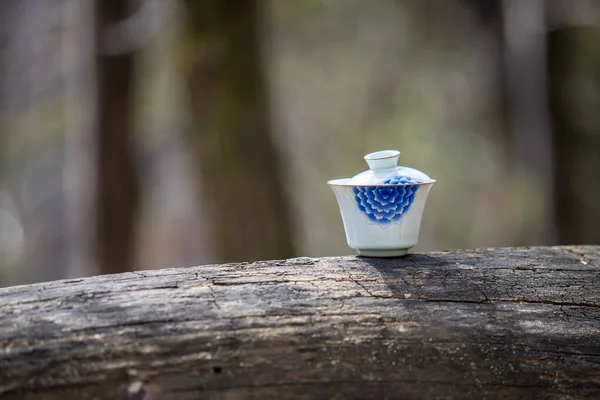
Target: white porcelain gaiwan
{"x":382,"y":207}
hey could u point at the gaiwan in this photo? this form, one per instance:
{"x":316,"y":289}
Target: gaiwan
{"x":382,"y":207}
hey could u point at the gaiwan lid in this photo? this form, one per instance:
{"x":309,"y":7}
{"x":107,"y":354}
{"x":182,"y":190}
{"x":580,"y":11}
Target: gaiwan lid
{"x":384,"y":170}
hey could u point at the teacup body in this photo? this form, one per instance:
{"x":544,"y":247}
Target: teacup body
{"x":381,"y":220}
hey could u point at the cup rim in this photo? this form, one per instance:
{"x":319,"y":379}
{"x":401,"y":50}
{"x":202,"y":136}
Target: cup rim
{"x":344,"y":182}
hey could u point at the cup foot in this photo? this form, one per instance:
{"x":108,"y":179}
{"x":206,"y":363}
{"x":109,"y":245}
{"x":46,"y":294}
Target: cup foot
{"x":382,"y":252}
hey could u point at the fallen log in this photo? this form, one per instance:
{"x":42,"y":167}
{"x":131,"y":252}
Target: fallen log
{"x":506,"y":323}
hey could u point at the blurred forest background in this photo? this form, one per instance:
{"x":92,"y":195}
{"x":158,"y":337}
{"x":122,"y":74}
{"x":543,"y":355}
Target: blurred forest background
{"x":139,"y":134}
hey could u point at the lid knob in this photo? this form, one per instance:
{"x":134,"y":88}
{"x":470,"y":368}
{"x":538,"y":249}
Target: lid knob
{"x":382,"y":159}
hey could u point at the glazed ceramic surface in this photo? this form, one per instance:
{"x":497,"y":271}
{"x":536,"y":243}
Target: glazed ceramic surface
{"x":382,"y":207}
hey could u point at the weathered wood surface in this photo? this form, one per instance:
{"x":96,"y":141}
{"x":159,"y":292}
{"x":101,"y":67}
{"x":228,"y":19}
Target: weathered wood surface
{"x":481,"y":324}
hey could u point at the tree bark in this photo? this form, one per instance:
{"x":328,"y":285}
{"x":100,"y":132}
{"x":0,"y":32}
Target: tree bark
{"x":117,"y":190}
{"x":518,"y":323}
{"x":230,"y":136}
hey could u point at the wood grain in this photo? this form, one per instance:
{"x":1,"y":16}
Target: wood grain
{"x":506,"y":323}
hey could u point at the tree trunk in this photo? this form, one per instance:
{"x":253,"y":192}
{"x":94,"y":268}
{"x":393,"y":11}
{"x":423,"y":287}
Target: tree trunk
{"x":33,"y":145}
{"x":230,"y":135}
{"x":475,"y":324}
{"x":525,"y":46}
{"x":118,"y":183}
{"x":79,"y":59}
{"x":574,"y":71}
{"x":490,"y":16}
{"x":7,"y":16}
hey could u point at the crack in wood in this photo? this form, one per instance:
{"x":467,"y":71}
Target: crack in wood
{"x":214,"y":297}
{"x":516,"y":300}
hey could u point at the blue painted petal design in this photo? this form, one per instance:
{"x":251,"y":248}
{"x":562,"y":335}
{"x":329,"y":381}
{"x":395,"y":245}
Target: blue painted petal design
{"x":386,"y":204}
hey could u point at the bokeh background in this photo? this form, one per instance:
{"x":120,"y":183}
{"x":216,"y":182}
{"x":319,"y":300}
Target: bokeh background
{"x":139,"y":134}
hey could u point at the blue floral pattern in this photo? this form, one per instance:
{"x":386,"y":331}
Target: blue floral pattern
{"x":386,"y":204}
